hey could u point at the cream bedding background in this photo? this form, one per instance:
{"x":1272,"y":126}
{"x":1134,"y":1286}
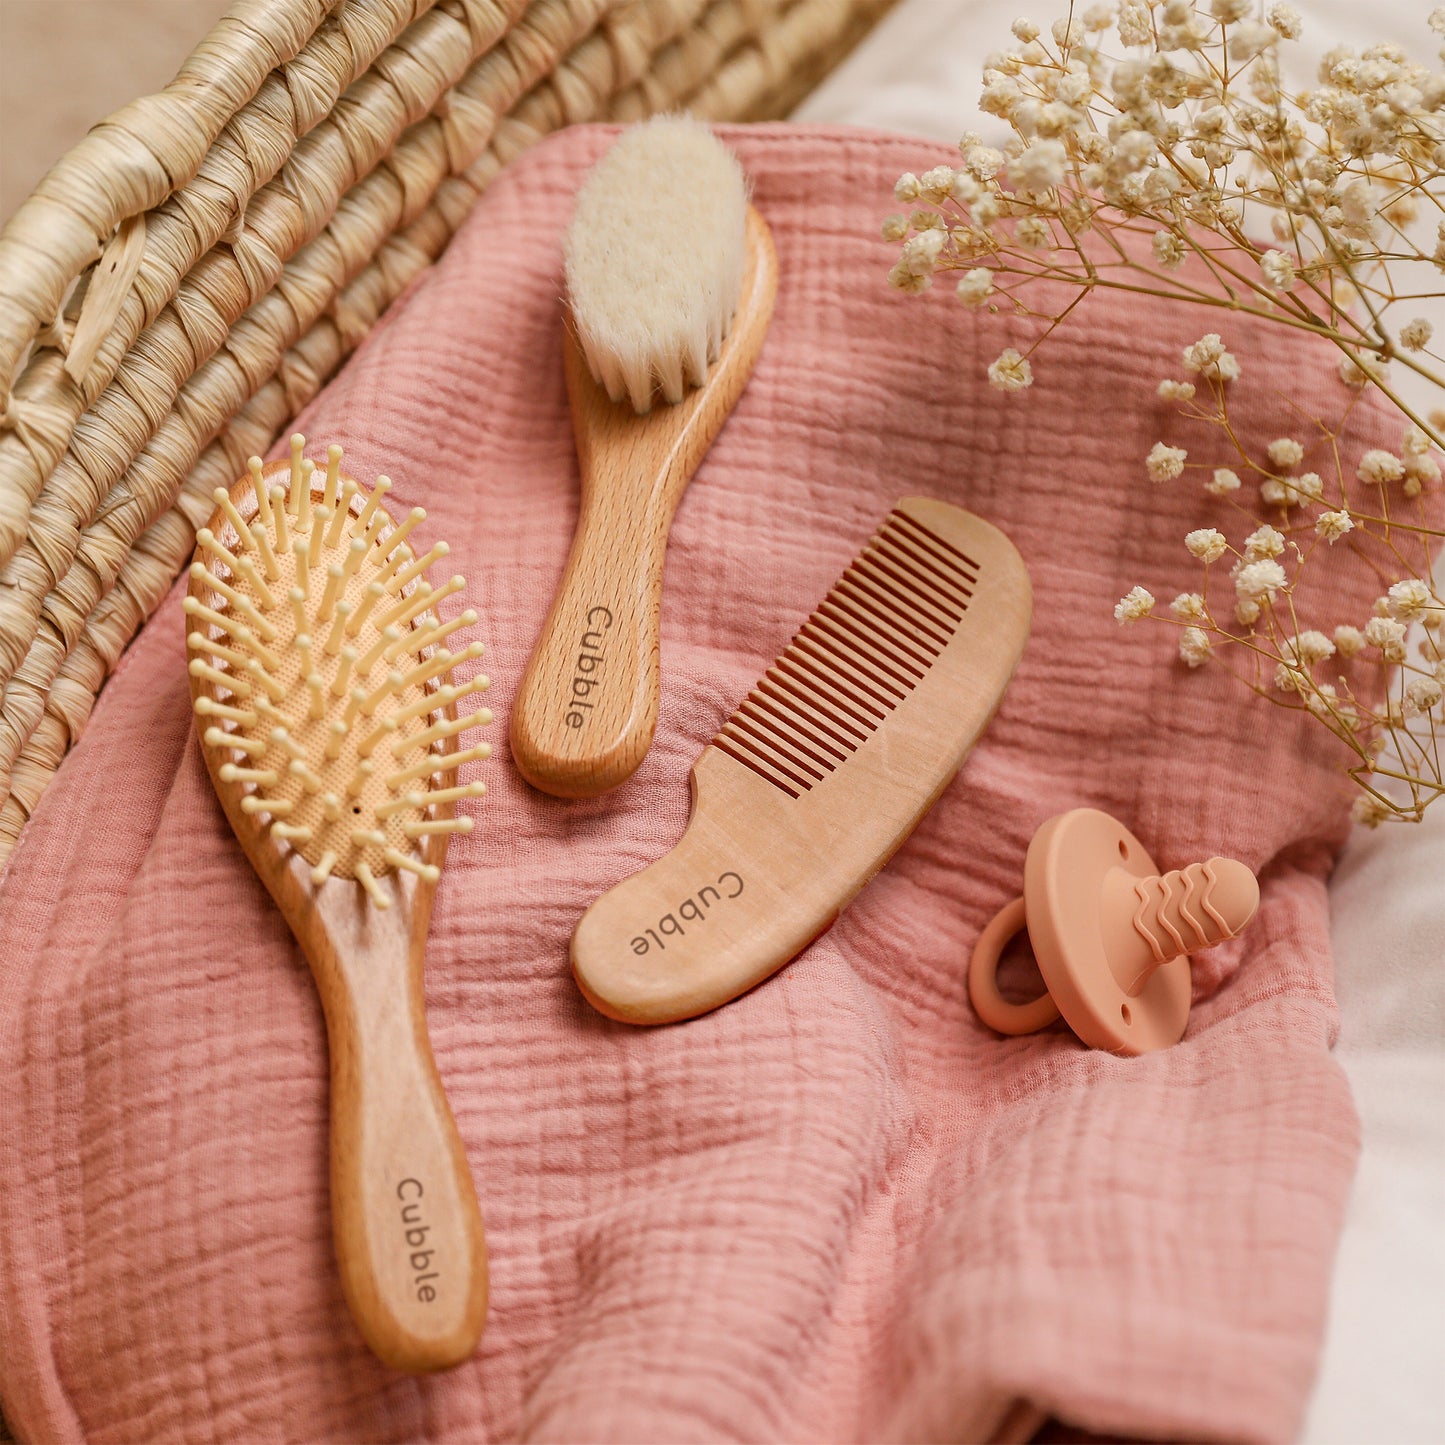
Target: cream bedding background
{"x":1385,"y":1352}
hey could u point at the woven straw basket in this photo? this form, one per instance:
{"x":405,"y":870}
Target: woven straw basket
{"x":235,"y":237}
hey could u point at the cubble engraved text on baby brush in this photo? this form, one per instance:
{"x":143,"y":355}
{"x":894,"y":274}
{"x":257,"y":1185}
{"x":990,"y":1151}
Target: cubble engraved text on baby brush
{"x":586,"y":673}
{"x":410,"y":1192}
{"x":692,"y":909}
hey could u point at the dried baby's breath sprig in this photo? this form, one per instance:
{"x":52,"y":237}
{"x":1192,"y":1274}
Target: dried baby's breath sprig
{"x":1155,"y":150}
{"x":1257,"y":613}
{"x":1152,"y":135}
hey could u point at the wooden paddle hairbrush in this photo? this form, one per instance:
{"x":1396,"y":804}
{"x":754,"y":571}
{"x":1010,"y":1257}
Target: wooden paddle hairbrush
{"x":323,"y":693}
{"x":824,"y":769}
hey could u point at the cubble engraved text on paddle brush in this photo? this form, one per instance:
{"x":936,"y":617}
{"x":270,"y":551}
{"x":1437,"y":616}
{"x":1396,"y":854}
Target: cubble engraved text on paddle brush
{"x":586,"y":674}
{"x":692,"y":909}
{"x":410,"y":1192}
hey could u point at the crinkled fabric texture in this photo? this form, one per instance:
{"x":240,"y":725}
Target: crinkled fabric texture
{"x":838,"y":1209}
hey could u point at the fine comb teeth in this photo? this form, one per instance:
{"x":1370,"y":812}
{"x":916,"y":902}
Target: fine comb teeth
{"x":321,"y":673}
{"x":823,"y":770}
{"x":868,"y":645}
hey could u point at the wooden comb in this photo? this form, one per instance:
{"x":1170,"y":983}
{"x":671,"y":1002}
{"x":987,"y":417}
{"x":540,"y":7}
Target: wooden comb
{"x":821,"y":773}
{"x":322,"y":691}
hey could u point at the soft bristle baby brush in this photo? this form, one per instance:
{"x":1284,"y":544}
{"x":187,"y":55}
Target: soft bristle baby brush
{"x":821,"y":773}
{"x":322,"y":684}
{"x":671,"y":277}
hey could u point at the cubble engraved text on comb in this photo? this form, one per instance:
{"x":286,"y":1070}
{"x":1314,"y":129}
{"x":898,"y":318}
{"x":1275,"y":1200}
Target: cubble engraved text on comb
{"x":868,"y":644}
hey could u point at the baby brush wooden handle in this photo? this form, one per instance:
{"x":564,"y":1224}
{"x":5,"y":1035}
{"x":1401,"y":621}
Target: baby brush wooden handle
{"x":586,"y":709}
{"x":408,"y":1231}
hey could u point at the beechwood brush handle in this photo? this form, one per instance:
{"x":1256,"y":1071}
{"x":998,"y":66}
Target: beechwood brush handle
{"x":587,"y":707}
{"x":408,"y":1230}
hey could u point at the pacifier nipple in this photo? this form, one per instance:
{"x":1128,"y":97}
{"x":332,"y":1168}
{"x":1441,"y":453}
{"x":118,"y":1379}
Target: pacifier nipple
{"x":1112,"y":935}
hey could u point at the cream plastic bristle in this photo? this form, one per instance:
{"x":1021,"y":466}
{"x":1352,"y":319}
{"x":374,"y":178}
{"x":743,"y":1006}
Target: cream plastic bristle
{"x":398,"y":859}
{"x":222,"y":498}
{"x":373,"y":888}
{"x":309,"y":778}
{"x":451,"y":795}
{"x":330,"y":593}
{"x":238,"y":602}
{"x":343,"y":672}
{"x":367,"y":745}
{"x":200,"y":668}
{"x":437,"y":825}
{"x":446,"y":728}
{"x":389,"y":635}
{"x":373,"y":594}
{"x":420,"y":641}
{"x":379,"y":523}
{"x":264,"y":680}
{"x":297,"y":598}
{"x":389,"y":686}
{"x":337,"y":635}
{"x":220,"y":738}
{"x":355,"y":551}
{"x":268,"y":554}
{"x":378,"y":492}
{"x":416,"y":568}
{"x":283,"y":526}
{"x":207,"y":539}
{"x":278,"y":663}
{"x":319,"y":518}
{"x":436,"y":763}
{"x":655,"y":257}
{"x":393,"y":549}
{"x":281,"y":738}
{"x":298,"y":442}
{"x":263,"y":497}
{"x":263,"y":778}
{"x":342,"y":513}
{"x":303,"y":496}
{"x":263,"y":594}
{"x":407,"y":608}
{"x":209,"y":707}
{"x":255,"y":803}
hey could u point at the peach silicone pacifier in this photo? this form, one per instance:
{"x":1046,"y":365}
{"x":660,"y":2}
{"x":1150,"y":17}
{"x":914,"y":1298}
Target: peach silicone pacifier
{"x":1112,"y":935}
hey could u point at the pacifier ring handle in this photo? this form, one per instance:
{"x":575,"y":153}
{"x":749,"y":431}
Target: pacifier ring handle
{"x":988,"y":1003}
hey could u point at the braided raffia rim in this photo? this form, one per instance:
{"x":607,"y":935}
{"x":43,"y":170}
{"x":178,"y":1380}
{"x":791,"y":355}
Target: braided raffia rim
{"x":251,"y":223}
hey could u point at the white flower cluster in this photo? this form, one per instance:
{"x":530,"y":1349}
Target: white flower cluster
{"x":1149,"y":143}
{"x":1172,"y":113}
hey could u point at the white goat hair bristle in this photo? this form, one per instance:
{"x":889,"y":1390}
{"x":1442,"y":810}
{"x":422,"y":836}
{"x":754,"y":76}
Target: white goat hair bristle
{"x":655,"y":257}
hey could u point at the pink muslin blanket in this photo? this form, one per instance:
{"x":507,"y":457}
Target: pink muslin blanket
{"x":838,"y":1209}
